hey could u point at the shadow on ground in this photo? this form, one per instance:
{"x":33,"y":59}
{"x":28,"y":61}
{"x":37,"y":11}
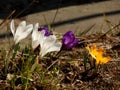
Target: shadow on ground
{"x":25,"y":7}
{"x":71,"y":20}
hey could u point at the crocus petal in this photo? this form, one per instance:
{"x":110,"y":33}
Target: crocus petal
{"x":55,"y":47}
{"x":48,"y":44}
{"x":74,"y":43}
{"x":22,"y":35}
{"x":69,"y":40}
{"x":92,"y":50}
{"x":51,"y":39}
{"x":35,"y":36}
{"x":97,"y":54}
{"x":12,"y":27}
{"x":47,"y":32}
{"x":105,"y":60}
{"x":68,"y":37}
{"x":21,"y":32}
{"x":42,"y":38}
{"x":71,"y":35}
{"x":35,"y":32}
{"x":28,"y":28}
{"x":20,"y":29}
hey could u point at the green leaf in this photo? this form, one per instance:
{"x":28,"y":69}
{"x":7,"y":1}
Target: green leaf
{"x":85,"y":60}
{"x":16,"y":48}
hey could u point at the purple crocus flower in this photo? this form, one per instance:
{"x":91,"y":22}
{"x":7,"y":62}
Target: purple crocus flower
{"x":47,"y":32}
{"x":69,"y":40}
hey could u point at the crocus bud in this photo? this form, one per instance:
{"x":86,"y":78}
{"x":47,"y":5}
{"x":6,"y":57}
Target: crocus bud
{"x":69,"y":41}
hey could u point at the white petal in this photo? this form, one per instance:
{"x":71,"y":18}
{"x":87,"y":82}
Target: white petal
{"x":12,"y":27}
{"x":35,"y":44}
{"x":42,"y":38}
{"x":35,"y":32}
{"x":51,"y":39}
{"x":47,"y":41}
{"x":16,"y":39}
{"x":35,"y":36}
{"x":42,"y":53}
{"x":49,"y":45}
{"x":21,"y":27}
{"x":55,"y":47}
{"x":36,"y":27}
{"x":27,"y":30}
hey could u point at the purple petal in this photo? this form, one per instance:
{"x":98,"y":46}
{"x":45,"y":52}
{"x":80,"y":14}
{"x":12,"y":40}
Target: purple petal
{"x":68,"y":37}
{"x":47,"y":33}
{"x":69,"y":40}
{"x":73,"y":44}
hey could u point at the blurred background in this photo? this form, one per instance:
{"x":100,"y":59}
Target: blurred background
{"x":33,"y":6}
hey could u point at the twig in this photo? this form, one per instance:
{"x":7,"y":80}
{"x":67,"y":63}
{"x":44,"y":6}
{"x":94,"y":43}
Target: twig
{"x":52,"y":64}
{"x":10,"y":15}
{"x":25,"y":8}
{"x":7,"y":17}
{"x":56,"y":13}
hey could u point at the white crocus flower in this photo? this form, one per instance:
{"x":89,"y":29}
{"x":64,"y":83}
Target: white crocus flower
{"x":48,"y":44}
{"x":21,"y":32}
{"x":35,"y":36}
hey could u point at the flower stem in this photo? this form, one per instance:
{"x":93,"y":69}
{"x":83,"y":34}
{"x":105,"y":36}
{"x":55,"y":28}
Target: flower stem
{"x":28,"y":76}
{"x":35,"y":64}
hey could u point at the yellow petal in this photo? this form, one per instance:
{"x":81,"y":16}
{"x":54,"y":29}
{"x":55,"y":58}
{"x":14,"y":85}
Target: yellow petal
{"x":93,"y":51}
{"x":105,"y":60}
{"x":97,"y":54}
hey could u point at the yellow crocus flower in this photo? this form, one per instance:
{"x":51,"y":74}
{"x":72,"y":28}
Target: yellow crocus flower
{"x":97,"y":54}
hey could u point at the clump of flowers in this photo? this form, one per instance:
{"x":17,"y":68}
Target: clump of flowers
{"x":22,"y":65}
{"x":47,"y":41}
{"x":36,"y":33}
{"x":97,"y":54}
{"x":69,"y":41}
